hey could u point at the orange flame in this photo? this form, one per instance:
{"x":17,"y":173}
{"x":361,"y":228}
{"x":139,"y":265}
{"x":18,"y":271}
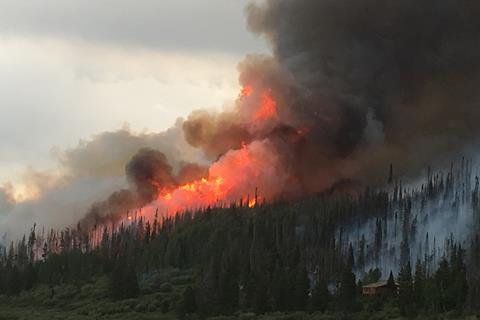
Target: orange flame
{"x":234,"y":175}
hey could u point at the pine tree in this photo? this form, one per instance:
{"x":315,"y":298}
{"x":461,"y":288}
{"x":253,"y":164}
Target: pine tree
{"x":131,"y":288}
{"x":350,"y":257}
{"x":147,"y":232}
{"x":443,"y":283}
{"x":279,"y":289}
{"x":260,"y":297}
{"x":29,"y":276}
{"x":189,"y":301}
{"x":320,"y":298}
{"x":13,"y":283}
{"x":302,"y":285}
{"x":116,"y":279}
{"x":346,"y":295}
{"x":405,"y":289}
{"x":419,"y":285}
{"x":459,"y":278}
{"x":391,"y":282}
{"x":361,"y":253}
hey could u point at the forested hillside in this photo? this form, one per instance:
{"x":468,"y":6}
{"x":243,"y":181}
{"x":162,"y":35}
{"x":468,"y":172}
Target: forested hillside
{"x":311,"y":256}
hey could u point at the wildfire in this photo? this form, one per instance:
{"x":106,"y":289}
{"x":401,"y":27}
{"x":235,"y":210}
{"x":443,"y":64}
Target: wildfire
{"x":235,"y":174}
{"x":267,"y":109}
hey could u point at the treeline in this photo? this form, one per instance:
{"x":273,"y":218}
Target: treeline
{"x":286,"y":256}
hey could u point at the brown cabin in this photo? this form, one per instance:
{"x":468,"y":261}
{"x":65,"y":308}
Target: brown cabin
{"x":379,"y":288}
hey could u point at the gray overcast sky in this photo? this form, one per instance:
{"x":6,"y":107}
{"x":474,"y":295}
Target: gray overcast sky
{"x":206,"y":25}
{"x":70,"y":69}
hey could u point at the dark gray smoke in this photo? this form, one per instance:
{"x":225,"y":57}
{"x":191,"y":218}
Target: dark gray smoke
{"x":150,"y":173}
{"x":118,"y":203}
{"x":357,"y":85}
{"x":378,"y":81}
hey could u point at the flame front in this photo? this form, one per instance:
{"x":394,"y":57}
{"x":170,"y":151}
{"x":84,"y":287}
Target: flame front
{"x":234,"y":177}
{"x":237,"y":175}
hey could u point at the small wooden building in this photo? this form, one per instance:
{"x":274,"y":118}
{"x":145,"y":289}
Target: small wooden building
{"x":379,"y":288}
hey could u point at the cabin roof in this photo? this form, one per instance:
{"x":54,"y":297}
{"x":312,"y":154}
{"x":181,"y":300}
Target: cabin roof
{"x":381,"y":283}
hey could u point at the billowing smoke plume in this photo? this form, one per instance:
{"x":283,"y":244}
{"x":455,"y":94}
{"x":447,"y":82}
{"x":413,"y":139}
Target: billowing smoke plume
{"x":150,"y":173}
{"x":191,"y":172}
{"x":89,"y":184}
{"x":380,"y":80}
{"x":351,"y":87}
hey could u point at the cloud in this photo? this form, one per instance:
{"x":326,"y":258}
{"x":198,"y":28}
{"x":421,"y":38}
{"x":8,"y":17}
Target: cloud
{"x":83,"y":67}
{"x":87,"y":174}
{"x":205,"y":25}
{"x":6,"y":199}
{"x":107,"y":153}
{"x":61,"y":206}
{"x":53,"y":92}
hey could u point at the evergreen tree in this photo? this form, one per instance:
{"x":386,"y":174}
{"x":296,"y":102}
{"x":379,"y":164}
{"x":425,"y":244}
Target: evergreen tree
{"x":260,"y":297}
{"x":29,"y":276}
{"x":419,"y":285}
{"x":320,"y":297}
{"x":13,"y":281}
{"x":444,"y":302}
{"x":279,"y":289}
{"x":373,"y":275}
{"x":131,"y":288}
{"x":189,"y":301}
{"x":116,"y":279}
{"x":391,"y":280}
{"x":124,"y":281}
{"x":302,"y":285}
{"x":405,"y":289}
{"x":346,"y":295}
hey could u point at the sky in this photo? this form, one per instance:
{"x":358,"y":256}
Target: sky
{"x":73,"y":69}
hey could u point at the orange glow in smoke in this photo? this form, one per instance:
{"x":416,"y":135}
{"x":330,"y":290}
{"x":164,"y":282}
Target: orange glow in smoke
{"x":234,"y":175}
{"x":206,"y":191}
{"x":267,"y":109}
{"x":246,"y":91}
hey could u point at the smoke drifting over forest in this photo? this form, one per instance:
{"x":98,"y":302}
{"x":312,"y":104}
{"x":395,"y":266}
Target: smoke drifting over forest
{"x":350,"y":87}
{"x":398,"y":78}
